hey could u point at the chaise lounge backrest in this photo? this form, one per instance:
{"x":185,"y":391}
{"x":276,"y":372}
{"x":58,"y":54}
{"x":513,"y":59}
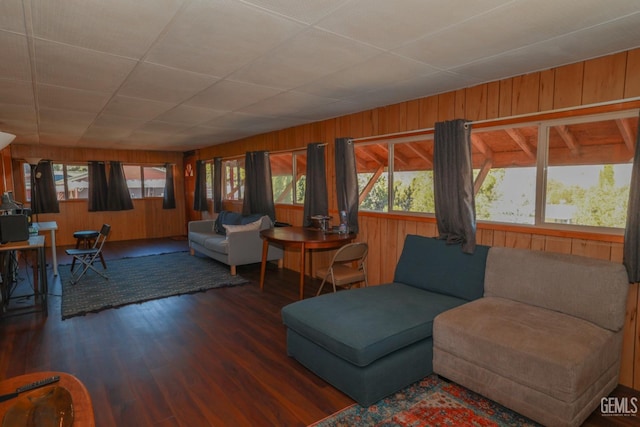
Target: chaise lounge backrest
{"x":433,"y":265}
{"x":587,"y":288}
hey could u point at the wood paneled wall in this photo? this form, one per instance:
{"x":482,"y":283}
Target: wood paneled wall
{"x":146,"y":220}
{"x":611,"y":78}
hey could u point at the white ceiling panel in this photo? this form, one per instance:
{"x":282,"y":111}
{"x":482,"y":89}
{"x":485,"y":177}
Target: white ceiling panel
{"x":136,"y":108}
{"x":301,"y":65}
{"x":63,"y":98}
{"x":186,"y":74}
{"x":228,"y":95}
{"x":150,"y":81}
{"x":69,"y":66}
{"x":121,"y":27}
{"x":217,"y":37}
{"x":15,"y":63}
{"x":16,"y":92}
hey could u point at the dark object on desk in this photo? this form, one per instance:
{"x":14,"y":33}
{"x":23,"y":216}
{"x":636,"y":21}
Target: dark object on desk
{"x":14,"y":228}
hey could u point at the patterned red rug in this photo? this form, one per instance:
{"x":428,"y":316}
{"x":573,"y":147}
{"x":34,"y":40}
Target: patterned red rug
{"x":430,"y":402}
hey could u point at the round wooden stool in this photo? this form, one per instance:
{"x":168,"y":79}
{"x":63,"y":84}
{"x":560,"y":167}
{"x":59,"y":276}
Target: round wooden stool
{"x":84,"y":240}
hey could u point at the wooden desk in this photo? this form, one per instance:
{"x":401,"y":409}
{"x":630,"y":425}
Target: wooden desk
{"x":82,"y":406}
{"x":35,"y":245}
{"x":52,"y":227}
{"x":302,"y":237}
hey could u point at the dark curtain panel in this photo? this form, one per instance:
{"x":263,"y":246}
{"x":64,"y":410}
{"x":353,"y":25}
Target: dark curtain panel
{"x":258,"y":189}
{"x":217,"y":184}
{"x":631,"y":257}
{"x":316,"y":201}
{"x":44,"y":198}
{"x":169,"y":199}
{"x":453,"y":184}
{"x":118,"y":196}
{"x":97,"y":187}
{"x":347,"y":190}
{"x":200,"y":191}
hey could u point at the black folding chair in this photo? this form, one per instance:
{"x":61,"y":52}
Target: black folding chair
{"x":86,"y":257}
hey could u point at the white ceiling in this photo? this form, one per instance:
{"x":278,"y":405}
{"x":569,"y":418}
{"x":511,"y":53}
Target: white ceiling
{"x":185,"y":74}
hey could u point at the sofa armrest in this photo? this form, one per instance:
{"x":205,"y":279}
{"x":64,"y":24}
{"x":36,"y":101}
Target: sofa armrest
{"x":202,"y":226}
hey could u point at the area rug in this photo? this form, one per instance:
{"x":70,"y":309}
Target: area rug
{"x":140,"y":279}
{"x":430,"y":402}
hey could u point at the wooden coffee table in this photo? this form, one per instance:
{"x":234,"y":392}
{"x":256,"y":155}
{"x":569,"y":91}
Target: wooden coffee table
{"x":81,"y":401}
{"x":304,"y":238}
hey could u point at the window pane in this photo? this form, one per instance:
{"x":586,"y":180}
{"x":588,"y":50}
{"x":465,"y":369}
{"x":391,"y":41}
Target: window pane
{"x":413,"y":176}
{"x":300,"y":162}
{"x":233,"y":179}
{"x":373,"y":174}
{"x":504,"y":162}
{"x":26,"y":173}
{"x":134,"y":180}
{"x":589,"y":172}
{"x":282,"y":177}
{"x":77,"y":182}
{"x":154,"y":180}
{"x":209,"y":174}
{"x":58,"y":175}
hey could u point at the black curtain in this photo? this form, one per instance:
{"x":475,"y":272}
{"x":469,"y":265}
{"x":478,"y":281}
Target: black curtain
{"x":453,"y":184}
{"x":118,"y":196}
{"x":631,"y":257}
{"x":44,"y":198}
{"x":316,"y":201}
{"x":347,"y":190}
{"x":200,"y":192}
{"x":97,"y":187}
{"x":217,"y":184}
{"x":258,"y":189}
{"x":169,"y":199}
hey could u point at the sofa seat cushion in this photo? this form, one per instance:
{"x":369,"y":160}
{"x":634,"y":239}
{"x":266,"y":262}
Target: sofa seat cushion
{"x":217,"y":243}
{"x":548,"y":351}
{"x":201,"y":237}
{"x":362,"y":325}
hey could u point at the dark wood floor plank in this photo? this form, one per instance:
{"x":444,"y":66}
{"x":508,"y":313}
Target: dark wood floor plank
{"x":216,"y":358}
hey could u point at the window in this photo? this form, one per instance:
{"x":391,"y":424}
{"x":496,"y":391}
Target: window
{"x":72,"y":181}
{"x":233,"y":179}
{"x":589,"y":170}
{"x":209,"y":178}
{"x":409,"y":188}
{"x":504,"y":166}
{"x":288,"y":176}
{"x":145,"y":181}
{"x":569,"y":172}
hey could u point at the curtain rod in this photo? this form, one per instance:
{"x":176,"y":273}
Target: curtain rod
{"x":417,"y":132}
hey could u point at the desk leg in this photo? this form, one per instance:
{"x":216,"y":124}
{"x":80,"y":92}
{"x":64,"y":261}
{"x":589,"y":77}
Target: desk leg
{"x":44,"y":285}
{"x":263,"y":266}
{"x":302,"y":256}
{"x":53,"y":252}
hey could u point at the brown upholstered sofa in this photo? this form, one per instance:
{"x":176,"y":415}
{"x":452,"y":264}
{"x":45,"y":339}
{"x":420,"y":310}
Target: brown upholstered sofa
{"x":545,"y":339}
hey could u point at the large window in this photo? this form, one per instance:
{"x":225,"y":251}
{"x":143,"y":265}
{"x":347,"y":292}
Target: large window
{"x":145,"y":181}
{"x":288,"y":173}
{"x":571,"y":172}
{"x":72,"y":181}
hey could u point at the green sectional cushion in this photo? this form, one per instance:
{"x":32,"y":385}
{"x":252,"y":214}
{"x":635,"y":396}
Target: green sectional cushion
{"x":433,"y":265}
{"x":362,"y":325}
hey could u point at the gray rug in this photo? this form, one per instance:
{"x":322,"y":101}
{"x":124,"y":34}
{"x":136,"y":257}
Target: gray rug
{"x":135,"y":280}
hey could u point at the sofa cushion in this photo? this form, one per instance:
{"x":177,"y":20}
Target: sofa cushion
{"x":226,"y":217}
{"x":545,"y":350}
{"x":217,"y":243}
{"x":567,"y":283}
{"x":200,"y":237}
{"x":432,"y":264}
{"x":252,"y":226}
{"x":362,"y":325}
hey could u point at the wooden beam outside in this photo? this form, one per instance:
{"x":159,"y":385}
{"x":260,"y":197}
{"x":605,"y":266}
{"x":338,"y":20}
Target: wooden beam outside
{"x":372,"y":181}
{"x":568,"y":139}
{"x":482,"y":175}
{"x":522,"y":142}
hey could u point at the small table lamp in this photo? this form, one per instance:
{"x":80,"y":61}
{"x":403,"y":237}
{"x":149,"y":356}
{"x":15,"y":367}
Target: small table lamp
{"x":8,"y":205}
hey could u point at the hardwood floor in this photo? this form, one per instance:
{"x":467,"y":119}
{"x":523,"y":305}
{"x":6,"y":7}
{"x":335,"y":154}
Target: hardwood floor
{"x":216,"y":358}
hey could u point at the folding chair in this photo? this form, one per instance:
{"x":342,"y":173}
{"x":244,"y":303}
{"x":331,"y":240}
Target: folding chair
{"x":87,"y":256}
{"x":341,"y":271}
